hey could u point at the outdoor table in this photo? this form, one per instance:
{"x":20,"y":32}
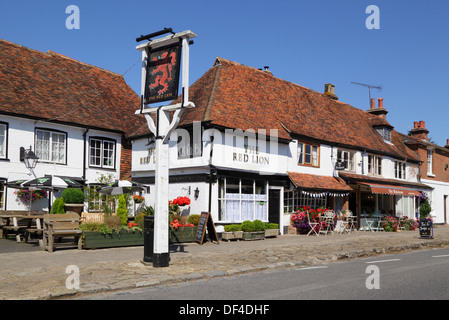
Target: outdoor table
{"x":343,"y":224}
{"x":373,"y":223}
{"x":19,"y":228}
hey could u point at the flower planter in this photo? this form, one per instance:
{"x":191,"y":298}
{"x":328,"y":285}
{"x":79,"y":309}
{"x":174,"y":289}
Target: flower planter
{"x":234,"y":235}
{"x":255,"y":235}
{"x":183,"y":234}
{"x":74,"y":207}
{"x":271,"y":233}
{"x":96,"y":240}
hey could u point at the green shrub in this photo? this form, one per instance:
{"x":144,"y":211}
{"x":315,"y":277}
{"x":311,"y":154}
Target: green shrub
{"x":148,"y":211}
{"x":122,"y":212}
{"x":247,"y":226}
{"x":195,"y":219}
{"x":258,"y":225}
{"x":139,"y":220}
{"x":271,"y":226}
{"x":232,"y":228}
{"x":58,"y":206}
{"x":424,"y":209}
{"x":72,"y":195}
{"x":91,"y":226}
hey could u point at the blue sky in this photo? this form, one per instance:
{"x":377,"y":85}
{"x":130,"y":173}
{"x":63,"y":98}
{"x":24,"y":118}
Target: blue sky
{"x":308,"y":42}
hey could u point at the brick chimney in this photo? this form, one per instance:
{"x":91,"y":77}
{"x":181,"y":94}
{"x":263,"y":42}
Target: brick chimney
{"x":419,"y":131}
{"x":380,"y":110}
{"x":447,"y":144}
{"x":329,"y":90}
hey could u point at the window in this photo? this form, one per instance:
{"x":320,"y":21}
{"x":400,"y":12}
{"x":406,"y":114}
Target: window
{"x":399,"y":170}
{"x":51,"y":146}
{"x":429,"y":161}
{"x":102,"y":153}
{"x":374,"y":165}
{"x":385,"y":133}
{"x":3,"y":140}
{"x":405,"y":206}
{"x":295,"y":199}
{"x":242,"y":199}
{"x":308,"y":154}
{"x":347,"y":158}
{"x":2,"y":196}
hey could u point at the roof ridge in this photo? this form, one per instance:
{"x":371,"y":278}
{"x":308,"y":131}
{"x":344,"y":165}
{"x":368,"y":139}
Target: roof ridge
{"x":56,"y":54}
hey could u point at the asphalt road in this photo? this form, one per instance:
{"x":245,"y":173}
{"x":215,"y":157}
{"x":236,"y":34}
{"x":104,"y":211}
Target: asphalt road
{"x":417,"y":275}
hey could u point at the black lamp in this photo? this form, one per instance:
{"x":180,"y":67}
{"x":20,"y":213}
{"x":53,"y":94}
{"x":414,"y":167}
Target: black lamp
{"x":28,"y":157}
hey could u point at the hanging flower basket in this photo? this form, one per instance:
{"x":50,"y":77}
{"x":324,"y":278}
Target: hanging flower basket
{"x":138,"y":199}
{"x":28,"y":196}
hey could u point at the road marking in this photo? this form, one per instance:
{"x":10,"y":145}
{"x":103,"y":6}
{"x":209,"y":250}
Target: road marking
{"x":309,"y":268}
{"x":379,"y":261}
{"x":442,"y":256}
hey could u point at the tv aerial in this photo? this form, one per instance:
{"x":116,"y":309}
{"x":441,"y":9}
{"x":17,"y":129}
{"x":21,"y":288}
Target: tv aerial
{"x":369,"y":88}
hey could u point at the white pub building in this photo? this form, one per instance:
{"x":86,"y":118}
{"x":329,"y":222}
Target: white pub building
{"x":257,"y":147}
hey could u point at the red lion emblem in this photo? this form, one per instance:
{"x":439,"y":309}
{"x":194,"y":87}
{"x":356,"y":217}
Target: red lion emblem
{"x":165,"y":71}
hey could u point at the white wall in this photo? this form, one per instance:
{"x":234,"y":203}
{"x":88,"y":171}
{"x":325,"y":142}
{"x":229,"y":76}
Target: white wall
{"x":21,"y":133}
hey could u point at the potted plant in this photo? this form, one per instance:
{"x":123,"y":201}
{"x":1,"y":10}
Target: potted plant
{"x":271,"y":230}
{"x":73,"y":199}
{"x":182,"y":232}
{"x":232,"y":232}
{"x":253,"y":230}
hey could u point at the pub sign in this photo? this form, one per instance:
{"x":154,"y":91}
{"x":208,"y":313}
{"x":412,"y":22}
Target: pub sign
{"x":162,"y":74}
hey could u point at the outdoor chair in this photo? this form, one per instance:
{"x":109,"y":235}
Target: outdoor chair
{"x":328,"y":220}
{"x":313,"y":225}
{"x":352,"y":221}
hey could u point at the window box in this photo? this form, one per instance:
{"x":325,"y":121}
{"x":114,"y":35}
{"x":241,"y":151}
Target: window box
{"x":254,"y":235}
{"x":183,"y":234}
{"x":234,"y":235}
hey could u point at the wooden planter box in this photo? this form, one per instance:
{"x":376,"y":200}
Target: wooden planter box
{"x":256,"y":235}
{"x":96,"y":240}
{"x":235,"y":235}
{"x":183,"y":234}
{"x":271,"y":233}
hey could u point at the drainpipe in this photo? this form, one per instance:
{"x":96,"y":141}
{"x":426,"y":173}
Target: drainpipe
{"x":84,"y":153}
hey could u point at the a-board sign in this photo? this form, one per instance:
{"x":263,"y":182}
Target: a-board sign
{"x":426,"y":228}
{"x":206,"y":223}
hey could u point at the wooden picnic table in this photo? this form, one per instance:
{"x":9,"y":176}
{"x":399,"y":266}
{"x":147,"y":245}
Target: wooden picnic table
{"x":22,"y":225}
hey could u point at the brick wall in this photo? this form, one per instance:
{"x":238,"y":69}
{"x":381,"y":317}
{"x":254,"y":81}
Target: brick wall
{"x":125,"y":160}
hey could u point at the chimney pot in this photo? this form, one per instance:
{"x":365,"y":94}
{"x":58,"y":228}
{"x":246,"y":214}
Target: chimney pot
{"x":416,"y":124}
{"x":422,"y":124}
{"x":381,"y":102}
{"x":373,"y":103}
{"x":447,"y":142}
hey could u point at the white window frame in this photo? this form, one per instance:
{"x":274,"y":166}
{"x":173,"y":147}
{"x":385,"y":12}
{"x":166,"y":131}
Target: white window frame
{"x":103,"y":147}
{"x":400,"y":168}
{"x":295,"y":199}
{"x":385,"y":133}
{"x":257,"y":200}
{"x":429,"y":161}
{"x":47,"y":150}
{"x":3,"y":140}
{"x":374,"y":165}
{"x":347,"y":158}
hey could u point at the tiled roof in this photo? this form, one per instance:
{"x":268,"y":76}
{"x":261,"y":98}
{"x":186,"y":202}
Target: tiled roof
{"x":314,"y":182}
{"x":51,"y":86}
{"x":236,"y":96}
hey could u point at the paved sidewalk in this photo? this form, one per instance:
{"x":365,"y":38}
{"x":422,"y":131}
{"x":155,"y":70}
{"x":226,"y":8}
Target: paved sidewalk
{"x":37,"y":275}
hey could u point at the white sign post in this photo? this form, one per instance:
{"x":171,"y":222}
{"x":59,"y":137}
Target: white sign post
{"x":162,"y":130}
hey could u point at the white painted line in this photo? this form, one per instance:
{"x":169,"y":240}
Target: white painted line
{"x":442,"y":256}
{"x":379,"y":261}
{"x":309,"y":268}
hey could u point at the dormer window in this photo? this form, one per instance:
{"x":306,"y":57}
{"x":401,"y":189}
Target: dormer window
{"x":385,"y":133}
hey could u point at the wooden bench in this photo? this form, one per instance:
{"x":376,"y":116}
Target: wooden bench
{"x":60,"y":226}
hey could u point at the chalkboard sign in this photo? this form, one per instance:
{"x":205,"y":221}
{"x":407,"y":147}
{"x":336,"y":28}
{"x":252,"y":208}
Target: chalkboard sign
{"x":206,"y":223}
{"x":426,"y":228}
